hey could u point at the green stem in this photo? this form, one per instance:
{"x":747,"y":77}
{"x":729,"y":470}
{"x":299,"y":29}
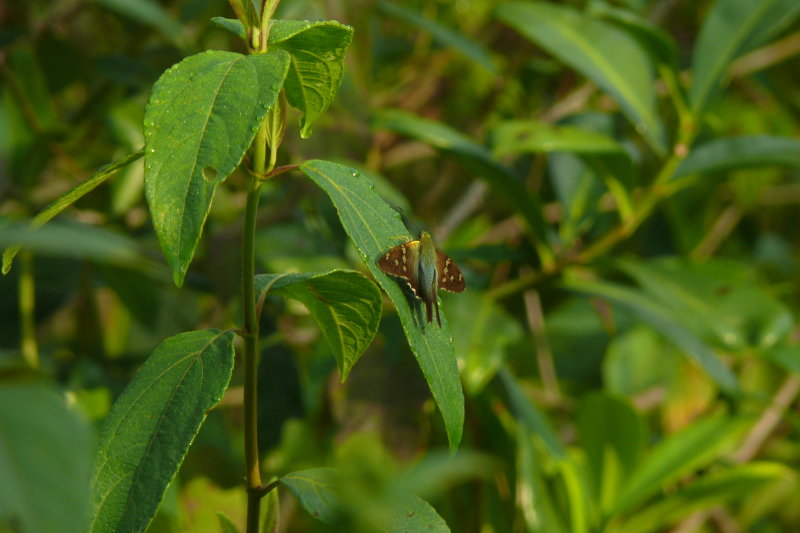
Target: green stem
{"x":252,"y":463}
{"x":27,"y":298}
{"x":251,"y":351}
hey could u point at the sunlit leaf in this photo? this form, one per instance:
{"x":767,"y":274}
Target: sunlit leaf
{"x":374,"y":227}
{"x":345,"y":304}
{"x":315,"y":72}
{"x":202,"y":115}
{"x":706,"y":492}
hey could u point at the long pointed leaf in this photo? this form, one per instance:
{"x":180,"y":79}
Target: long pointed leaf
{"x":374,"y":227}
{"x":731,"y":28}
{"x":606,"y":55}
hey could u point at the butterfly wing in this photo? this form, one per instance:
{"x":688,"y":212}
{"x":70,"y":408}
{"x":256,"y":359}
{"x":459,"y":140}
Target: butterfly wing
{"x":401,"y":262}
{"x":450,"y":277}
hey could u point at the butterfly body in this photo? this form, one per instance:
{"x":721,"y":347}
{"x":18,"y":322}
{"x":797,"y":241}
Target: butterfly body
{"x":426,"y":269}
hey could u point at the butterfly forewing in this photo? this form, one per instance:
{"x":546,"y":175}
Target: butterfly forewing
{"x":401,"y":262}
{"x":450,"y":277}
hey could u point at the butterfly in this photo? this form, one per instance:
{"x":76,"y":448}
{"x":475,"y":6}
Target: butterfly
{"x":426,"y":269}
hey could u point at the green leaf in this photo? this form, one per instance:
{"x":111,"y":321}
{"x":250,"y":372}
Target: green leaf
{"x":315,"y":490}
{"x":727,"y":154}
{"x":69,"y":198}
{"x":45,"y":461}
{"x":711,"y":490}
{"x":658,"y":43}
{"x":612,"y":434}
{"x":679,"y":454}
{"x":152,"y":424}
{"x":637,"y":360}
{"x":442,"y":34}
{"x":226,"y":524}
{"x":534,"y":496}
{"x":317,"y":50}
{"x":474,"y":156}
{"x":374,"y":227}
{"x":604,"y":54}
{"x":514,"y":137}
{"x":202,"y":116}
{"x":660,"y":318}
{"x":234,"y":26}
{"x":603,"y":154}
{"x":786,"y":356}
{"x":345,"y":304}
{"x":78,"y":240}
{"x":415,"y":514}
{"x":147,"y":12}
{"x":718,"y":299}
{"x":529,"y":415}
{"x":732,"y":28}
{"x":270,"y":511}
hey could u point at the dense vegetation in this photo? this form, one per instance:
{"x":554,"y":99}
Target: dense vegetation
{"x":617,"y":180}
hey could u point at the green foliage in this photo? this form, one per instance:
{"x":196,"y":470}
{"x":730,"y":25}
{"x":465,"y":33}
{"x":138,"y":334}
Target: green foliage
{"x":374,"y":228}
{"x":599,"y":51}
{"x":345,"y":304}
{"x":202,"y":116}
{"x":616,"y":180}
{"x":38,"y":428}
{"x":152,"y":424}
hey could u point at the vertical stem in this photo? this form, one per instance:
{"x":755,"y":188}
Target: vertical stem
{"x":252,"y":463}
{"x":251,"y":352}
{"x":27,"y":298}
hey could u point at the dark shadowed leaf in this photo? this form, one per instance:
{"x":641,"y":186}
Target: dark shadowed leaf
{"x":67,"y":199}
{"x":441,"y":33}
{"x":732,"y":28}
{"x":661,"y":319}
{"x":152,"y":424}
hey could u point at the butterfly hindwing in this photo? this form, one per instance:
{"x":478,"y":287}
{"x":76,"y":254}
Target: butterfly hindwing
{"x":450,"y":277}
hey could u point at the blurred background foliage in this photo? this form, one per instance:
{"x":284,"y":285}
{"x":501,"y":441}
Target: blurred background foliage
{"x":650,"y":386}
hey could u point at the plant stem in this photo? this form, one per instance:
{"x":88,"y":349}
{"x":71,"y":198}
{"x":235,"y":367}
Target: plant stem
{"x":251,"y":352}
{"x":252,"y":463}
{"x":27,"y":297}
